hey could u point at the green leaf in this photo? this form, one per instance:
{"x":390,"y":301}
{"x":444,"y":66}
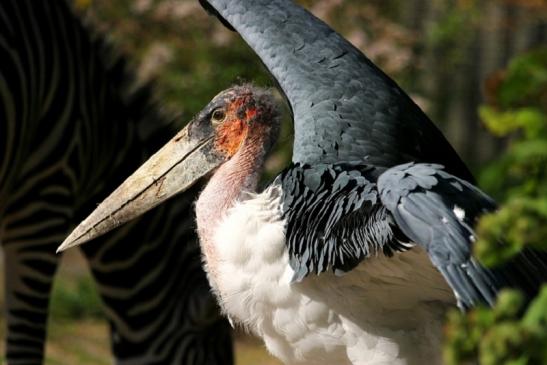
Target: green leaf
{"x":531,"y":120}
{"x":526,"y":80}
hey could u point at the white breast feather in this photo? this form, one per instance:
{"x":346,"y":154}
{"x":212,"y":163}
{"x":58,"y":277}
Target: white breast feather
{"x":386,"y":311}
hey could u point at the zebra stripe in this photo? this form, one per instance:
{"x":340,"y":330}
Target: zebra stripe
{"x":70,"y":131}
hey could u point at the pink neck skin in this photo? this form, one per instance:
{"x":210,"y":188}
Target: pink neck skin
{"x":236,"y":176}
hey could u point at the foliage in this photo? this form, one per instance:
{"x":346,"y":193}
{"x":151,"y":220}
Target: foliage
{"x":509,"y":333}
{"x":462,"y":16}
{"x":501,"y":335}
{"x":75,"y":298}
{"x":522,"y":112}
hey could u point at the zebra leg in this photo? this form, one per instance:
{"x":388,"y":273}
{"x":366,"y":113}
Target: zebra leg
{"x":156,"y":295}
{"x":29,"y":266}
{"x":28,"y":277}
{"x":34,"y":221}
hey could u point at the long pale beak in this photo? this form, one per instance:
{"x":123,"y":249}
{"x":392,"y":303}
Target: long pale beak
{"x":173,"y":169}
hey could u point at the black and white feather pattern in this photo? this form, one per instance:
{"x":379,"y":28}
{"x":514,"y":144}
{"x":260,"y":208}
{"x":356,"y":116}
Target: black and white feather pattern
{"x":341,"y":214}
{"x":335,"y":219}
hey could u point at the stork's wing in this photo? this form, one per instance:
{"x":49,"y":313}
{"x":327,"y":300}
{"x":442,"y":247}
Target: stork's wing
{"x":334,"y":217}
{"x":344,"y":107}
{"x":437,"y":211}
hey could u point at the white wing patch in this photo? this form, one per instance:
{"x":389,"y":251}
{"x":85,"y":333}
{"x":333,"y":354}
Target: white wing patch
{"x":459,"y":213}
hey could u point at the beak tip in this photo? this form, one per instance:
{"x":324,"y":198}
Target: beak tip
{"x":74,"y":239}
{"x":68,"y":243}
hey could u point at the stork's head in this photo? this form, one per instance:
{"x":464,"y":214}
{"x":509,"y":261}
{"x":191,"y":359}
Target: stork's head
{"x":237,"y":118}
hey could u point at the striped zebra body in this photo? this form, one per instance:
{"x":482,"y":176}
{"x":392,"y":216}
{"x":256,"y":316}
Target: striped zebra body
{"x":65,"y":115}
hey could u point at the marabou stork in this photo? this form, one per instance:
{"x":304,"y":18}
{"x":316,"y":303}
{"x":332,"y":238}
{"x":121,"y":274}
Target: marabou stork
{"x":354,"y":252}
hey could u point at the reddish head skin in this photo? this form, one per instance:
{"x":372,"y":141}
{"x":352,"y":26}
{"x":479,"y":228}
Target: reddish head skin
{"x":248,"y":113}
{"x":233,"y":131}
{"x":245,"y":135}
{"x":230,"y":136}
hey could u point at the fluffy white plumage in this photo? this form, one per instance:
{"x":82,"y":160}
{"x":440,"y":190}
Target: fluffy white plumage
{"x":385,"y":311}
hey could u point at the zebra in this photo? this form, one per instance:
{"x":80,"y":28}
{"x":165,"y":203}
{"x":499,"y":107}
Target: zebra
{"x":67,"y":109}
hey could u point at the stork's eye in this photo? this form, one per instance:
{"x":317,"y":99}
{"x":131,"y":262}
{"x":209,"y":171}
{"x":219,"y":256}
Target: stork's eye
{"x":218,"y":116}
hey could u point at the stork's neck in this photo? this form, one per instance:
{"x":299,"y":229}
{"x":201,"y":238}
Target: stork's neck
{"x":230,"y":182}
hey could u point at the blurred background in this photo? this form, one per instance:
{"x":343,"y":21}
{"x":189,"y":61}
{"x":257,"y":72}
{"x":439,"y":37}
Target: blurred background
{"x":477,"y":67}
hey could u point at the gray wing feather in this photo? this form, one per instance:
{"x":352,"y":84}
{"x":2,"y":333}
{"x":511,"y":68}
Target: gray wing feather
{"x":344,"y":107}
{"x":437,"y":211}
{"x":334,"y":218}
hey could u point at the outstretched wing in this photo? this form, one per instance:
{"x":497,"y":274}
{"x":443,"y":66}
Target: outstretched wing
{"x":344,"y":107}
{"x":334,"y":218}
{"x":438,"y":211}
